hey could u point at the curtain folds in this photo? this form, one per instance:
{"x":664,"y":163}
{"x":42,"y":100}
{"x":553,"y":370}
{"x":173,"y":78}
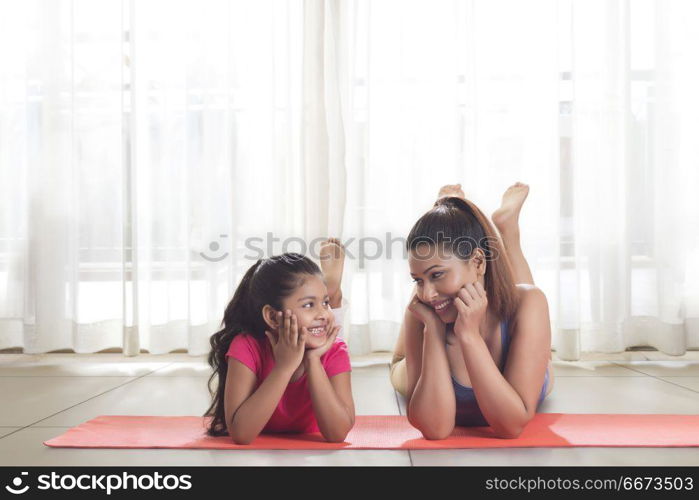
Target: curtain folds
{"x":151,"y":151}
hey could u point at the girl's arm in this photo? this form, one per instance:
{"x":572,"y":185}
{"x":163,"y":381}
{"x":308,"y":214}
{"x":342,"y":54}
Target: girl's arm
{"x":432,"y":404}
{"x":508,"y":401}
{"x":248,"y":410}
{"x":332,"y":401}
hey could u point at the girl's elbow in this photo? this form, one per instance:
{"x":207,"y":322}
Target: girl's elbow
{"x":239,"y":437}
{"x":336,"y":436}
{"x":242,"y":440}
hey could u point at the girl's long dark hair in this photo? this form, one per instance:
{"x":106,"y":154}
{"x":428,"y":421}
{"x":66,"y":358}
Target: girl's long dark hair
{"x":462,"y":227}
{"x":268,"y":281}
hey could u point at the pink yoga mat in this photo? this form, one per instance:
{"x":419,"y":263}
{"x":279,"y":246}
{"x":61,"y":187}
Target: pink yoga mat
{"x":546,"y":430}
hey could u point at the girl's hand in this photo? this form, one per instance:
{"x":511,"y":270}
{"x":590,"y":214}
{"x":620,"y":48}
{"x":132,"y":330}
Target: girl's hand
{"x":317,"y":352}
{"x":471,"y":303}
{"x":423,"y":312}
{"x":289,"y":345}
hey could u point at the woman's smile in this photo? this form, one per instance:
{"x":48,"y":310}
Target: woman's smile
{"x":442,"y":305}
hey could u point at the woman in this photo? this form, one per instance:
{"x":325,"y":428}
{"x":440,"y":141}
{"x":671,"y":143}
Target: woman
{"x":474,"y":347}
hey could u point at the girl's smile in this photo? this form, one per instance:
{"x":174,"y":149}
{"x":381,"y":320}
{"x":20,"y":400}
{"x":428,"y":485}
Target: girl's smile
{"x":319,"y":331}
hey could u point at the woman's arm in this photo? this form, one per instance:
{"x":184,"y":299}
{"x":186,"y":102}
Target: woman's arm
{"x":508,"y":401}
{"x":432,"y":404}
{"x":248,"y":410}
{"x":332,"y":401}
{"x":412,"y":331}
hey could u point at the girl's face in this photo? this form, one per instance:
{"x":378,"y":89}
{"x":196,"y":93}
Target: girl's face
{"x":311,"y":305}
{"x":439,"y":275}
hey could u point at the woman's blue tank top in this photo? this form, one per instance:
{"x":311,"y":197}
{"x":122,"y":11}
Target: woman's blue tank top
{"x":468,"y":414}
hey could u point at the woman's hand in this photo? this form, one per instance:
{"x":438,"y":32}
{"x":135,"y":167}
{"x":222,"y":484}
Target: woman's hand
{"x":422,"y":312}
{"x":316,"y":353}
{"x":471,"y":303}
{"x":289,"y":346}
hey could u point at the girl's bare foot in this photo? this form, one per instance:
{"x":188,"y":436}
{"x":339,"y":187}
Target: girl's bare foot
{"x":332,"y":261}
{"x":506,"y":218}
{"x":451,"y":190}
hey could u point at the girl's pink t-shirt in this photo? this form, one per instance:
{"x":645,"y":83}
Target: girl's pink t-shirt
{"x":294,"y":413}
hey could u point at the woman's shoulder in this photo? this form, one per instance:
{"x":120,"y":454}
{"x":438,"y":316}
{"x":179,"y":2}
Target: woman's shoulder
{"x":529,"y":293}
{"x":531,"y":301}
{"x":530,"y":323}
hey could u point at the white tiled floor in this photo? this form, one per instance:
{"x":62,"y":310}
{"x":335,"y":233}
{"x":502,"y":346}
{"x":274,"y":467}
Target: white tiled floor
{"x":44,"y":395}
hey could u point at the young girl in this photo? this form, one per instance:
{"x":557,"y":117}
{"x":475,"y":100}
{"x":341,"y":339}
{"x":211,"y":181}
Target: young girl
{"x":476,"y":346}
{"x":279,"y":363}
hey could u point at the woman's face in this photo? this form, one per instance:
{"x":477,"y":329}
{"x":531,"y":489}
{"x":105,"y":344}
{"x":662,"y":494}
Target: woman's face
{"x":439,"y":275}
{"x":311,"y":305}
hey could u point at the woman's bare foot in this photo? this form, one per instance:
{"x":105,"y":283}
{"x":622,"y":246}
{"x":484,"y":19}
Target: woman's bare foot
{"x":506,"y":218}
{"x":332,"y":261}
{"x":451,"y":190}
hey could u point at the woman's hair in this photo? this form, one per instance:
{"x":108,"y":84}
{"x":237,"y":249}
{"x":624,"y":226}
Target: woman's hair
{"x":460,"y":226}
{"x":268,"y":281}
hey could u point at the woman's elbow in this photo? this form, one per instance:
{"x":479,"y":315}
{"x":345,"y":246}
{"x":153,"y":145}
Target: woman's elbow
{"x":433,"y":431}
{"x":510,"y":431}
{"x":436,"y":434}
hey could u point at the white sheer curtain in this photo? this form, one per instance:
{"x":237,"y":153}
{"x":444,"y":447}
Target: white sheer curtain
{"x":143,"y":145}
{"x":635,"y":171}
{"x":592,"y":103}
{"x":444,"y":92}
{"x":141,"y":141}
